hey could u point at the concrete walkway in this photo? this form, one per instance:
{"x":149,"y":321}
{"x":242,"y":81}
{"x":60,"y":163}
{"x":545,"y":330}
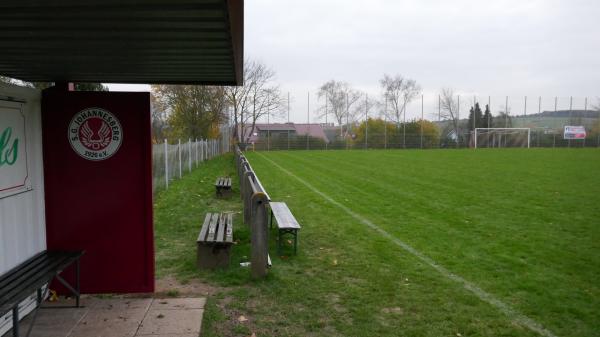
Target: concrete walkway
{"x":122,"y":317}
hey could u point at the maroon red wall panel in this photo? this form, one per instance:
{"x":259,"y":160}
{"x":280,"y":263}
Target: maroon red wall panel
{"x":98,"y":186}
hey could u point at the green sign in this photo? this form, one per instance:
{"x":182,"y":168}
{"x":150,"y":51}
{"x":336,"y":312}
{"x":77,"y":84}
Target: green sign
{"x":9,"y":148}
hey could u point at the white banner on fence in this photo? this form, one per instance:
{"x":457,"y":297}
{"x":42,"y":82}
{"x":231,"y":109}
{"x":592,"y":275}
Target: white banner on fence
{"x":574,"y":132}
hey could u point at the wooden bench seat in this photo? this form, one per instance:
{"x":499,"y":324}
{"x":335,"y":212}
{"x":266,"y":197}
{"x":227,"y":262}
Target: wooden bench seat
{"x":286,"y":224}
{"x":31,"y":276}
{"x":215,"y":240}
{"x":223,"y":187}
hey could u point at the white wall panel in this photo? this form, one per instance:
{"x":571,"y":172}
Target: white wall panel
{"x":22,"y":220}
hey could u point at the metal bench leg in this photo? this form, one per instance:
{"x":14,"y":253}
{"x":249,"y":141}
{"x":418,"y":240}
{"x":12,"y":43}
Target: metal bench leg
{"x":295,"y":242}
{"x":279,"y":236}
{"x":15,"y":319}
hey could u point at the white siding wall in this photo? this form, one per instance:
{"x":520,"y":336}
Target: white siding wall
{"x":22,"y":219}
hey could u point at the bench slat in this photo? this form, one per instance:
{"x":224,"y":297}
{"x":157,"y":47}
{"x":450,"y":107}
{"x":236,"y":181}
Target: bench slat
{"x":221,"y":230}
{"x":212,"y":228}
{"x":204,"y":230}
{"x":229,"y":229}
{"x":283,"y":215}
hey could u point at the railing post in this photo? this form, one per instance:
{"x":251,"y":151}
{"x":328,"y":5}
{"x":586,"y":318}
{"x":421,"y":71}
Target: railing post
{"x":247,"y":197}
{"x":166,"y":164}
{"x":259,"y":236}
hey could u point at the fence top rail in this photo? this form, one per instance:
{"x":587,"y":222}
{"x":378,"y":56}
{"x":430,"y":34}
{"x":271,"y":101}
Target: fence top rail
{"x":257,"y":187}
{"x":502,"y":128}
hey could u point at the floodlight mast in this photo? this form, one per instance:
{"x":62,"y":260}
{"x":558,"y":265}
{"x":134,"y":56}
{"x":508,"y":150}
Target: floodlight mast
{"x":510,"y":129}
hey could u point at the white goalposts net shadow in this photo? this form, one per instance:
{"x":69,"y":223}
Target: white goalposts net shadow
{"x":502,"y":137}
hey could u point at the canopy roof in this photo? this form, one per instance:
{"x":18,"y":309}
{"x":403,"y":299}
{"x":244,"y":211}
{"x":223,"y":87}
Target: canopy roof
{"x":122,"y":41}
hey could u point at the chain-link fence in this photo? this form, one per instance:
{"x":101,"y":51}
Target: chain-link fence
{"x":172,"y":159}
{"x":427,"y":123}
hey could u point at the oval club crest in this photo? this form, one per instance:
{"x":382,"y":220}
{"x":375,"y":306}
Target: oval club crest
{"x":95,"y":134}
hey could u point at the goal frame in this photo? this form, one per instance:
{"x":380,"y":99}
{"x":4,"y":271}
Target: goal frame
{"x":527,"y":129}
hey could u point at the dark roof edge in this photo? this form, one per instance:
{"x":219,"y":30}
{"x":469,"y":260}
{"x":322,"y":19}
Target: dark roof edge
{"x":236,"y":29}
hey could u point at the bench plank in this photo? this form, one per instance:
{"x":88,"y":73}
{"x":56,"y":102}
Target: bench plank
{"x":229,"y":230}
{"x":212,"y":228}
{"x":204,"y":230}
{"x":283,"y":215}
{"x":221,"y":230}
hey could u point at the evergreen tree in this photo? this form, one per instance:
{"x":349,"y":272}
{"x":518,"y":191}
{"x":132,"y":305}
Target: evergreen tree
{"x":486,"y":121}
{"x":475,"y":111}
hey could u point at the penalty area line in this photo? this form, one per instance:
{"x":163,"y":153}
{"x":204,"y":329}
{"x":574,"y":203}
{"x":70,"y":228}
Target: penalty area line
{"x":476,"y":290}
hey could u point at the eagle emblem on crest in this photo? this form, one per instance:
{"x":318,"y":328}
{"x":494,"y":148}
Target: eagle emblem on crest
{"x":95,"y":140}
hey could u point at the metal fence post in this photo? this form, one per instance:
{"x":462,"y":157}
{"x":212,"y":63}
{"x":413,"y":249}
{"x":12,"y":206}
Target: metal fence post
{"x":166,"y":164}
{"x":179,"y":151}
{"x":422,"y":120}
{"x":189,"y":154}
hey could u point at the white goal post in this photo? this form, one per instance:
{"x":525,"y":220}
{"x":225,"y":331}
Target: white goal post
{"x":503,"y":131}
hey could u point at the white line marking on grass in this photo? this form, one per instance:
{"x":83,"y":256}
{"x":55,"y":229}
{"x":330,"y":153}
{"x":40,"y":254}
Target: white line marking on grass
{"x":480,"y":293}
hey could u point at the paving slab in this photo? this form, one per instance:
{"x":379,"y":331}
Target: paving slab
{"x":178,"y":303}
{"x":52,"y":322}
{"x":170,"y":322}
{"x":172,"y":335}
{"x":119,"y":317}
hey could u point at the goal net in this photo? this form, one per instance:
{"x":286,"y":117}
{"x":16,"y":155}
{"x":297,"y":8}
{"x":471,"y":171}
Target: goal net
{"x":502,"y":137}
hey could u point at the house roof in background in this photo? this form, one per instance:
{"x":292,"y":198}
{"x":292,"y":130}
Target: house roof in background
{"x":313,"y":130}
{"x":123,"y":41}
{"x":275,"y":127}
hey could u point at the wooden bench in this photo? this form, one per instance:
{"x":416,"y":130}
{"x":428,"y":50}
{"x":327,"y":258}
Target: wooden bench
{"x":215,"y":240}
{"x":223,"y":187}
{"x":286,"y":224}
{"x":31,"y":276}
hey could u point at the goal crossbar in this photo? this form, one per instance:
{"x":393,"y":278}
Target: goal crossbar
{"x":505,"y":129}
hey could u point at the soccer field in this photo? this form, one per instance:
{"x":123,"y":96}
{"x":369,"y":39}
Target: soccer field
{"x":442,"y":242}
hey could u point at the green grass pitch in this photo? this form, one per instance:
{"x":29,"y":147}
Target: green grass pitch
{"x":520,"y":225}
{"x":523,"y":225}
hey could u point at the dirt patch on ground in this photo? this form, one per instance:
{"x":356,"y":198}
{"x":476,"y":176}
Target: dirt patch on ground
{"x":170,"y":287}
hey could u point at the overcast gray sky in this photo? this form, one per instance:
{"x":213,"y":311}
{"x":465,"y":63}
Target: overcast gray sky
{"x":479,"y":48}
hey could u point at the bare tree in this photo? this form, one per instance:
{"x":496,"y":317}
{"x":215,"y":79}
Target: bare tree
{"x":597,"y":106}
{"x":366,"y":106}
{"x":399,"y":92}
{"x":340,"y":97}
{"x":258,"y":97}
{"x":449,"y":110}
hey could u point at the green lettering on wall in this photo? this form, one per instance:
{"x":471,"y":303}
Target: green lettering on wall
{"x":8,"y":152}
